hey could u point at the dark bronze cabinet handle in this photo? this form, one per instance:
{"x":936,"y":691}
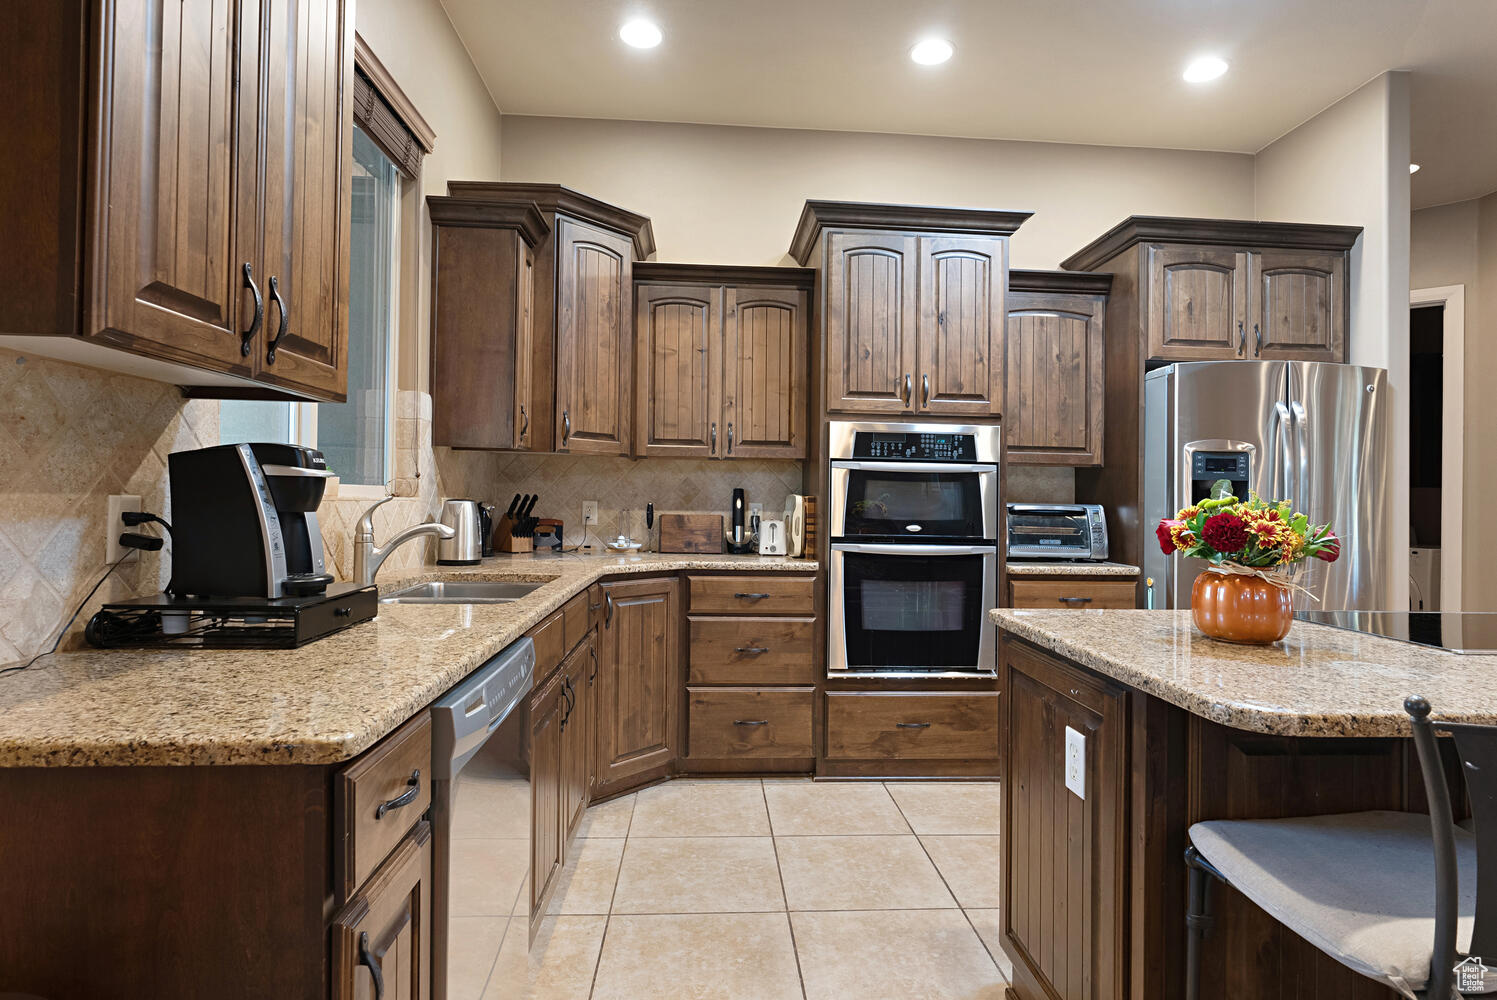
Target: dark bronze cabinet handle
{"x":254,"y":327}
{"x":593,"y":650}
{"x":712,"y":439}
{"x":404,"y":799}
{"x":1241,"y":338}
{"x":566,"y":426}
{"x":367,"y":959}
{"x":607,"y":610}
{"x":925,"y":390}
{"x":750,"y":722}
{"x":751,"y":597}
{"x":279,"y":301}
{"x":752,"y":649}
{"x":524,"y":422}
{"x":1074,"y":600}
{"x":571,"y":700}
{"x":730,"y":437}
{"x":912,"y":725}
{"x":1257,"y":341}
{"x":906,"y":394}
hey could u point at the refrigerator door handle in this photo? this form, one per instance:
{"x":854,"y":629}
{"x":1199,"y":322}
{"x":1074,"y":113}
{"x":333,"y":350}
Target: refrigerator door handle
{"x":1282,"y":451}
{"x":1301,"y":471}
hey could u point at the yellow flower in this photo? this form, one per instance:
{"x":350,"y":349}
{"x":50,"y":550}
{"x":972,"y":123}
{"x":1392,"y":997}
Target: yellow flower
{"x":1181,"y":536}
{"x":1294,"y":546}
{"x":1188,"y":513}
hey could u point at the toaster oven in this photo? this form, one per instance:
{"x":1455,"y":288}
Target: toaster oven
{"x":1056,"y":531}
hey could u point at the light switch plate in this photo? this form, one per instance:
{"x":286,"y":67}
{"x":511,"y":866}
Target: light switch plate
{"x":114,"y":525}
{"x":1076,"y":762}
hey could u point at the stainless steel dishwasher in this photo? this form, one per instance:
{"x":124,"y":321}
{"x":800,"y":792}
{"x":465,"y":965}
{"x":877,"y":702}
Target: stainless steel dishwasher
{"x":480,"y":811}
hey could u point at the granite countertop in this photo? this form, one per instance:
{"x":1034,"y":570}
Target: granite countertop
{"x":323,"y":703}
{"x":1035,"y":567}
{"x":1318,"y":681}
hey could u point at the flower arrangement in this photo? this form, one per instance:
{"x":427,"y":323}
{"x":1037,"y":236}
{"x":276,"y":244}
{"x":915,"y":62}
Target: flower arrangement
{"x":1252,"y":534}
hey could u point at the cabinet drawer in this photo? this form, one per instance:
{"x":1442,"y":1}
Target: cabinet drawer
{"x":869,"y":725}
{"x":576,"y":620}
{"x":750,"y":722}
{"x":753,"y":595}
{"x":550,"y":638}
{"x":375,"y":813}
{"x":752,"y":651}
{"x":1082,"y":593}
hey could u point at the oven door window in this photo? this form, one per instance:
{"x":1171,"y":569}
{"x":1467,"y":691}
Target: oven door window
{"x":914,"y":505}
{"x":912,"y":612}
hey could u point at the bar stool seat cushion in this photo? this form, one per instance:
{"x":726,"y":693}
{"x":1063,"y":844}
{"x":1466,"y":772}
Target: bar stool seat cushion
{"x":1358,"y":886}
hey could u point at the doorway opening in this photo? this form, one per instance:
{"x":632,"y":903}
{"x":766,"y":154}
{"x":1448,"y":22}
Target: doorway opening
{"x":1436,"y":419}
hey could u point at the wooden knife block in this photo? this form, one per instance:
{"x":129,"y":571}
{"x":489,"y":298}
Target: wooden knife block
{"x":504,"y":541}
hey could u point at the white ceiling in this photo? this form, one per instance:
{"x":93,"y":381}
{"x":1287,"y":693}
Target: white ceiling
{"x":1089,"y":71}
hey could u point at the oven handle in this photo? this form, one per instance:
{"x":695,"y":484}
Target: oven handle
{"x":899,"y":549}
{"x":915,"y":467}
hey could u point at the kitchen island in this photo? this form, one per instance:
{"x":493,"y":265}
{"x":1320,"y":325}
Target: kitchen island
{"x":1179,"y":728}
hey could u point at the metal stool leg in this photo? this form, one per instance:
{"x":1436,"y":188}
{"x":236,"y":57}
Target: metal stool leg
{"x":1198,"y":919}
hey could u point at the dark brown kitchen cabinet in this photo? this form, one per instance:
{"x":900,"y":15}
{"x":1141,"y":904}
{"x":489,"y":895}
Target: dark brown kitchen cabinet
{"x":578,"y":671}
{"x":639,"y":682}
{"x":961,"y":356}
{"x":579,"y":396}
{"x":548,"y":706}
{"x":912,"y":314}
{"x":1298,"y":305}
{"x":1197,"y":302}
{"x":483,"y":324}
{"x":1066,"y":917}
{"x":721,"y":361}
{"x":1053,"y":411}
{"x":186,"y":205}
{"x":382,"y":943}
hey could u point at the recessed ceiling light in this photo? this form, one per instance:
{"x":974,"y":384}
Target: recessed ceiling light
{"x":1413,"y":168}
{"x":1205,"y":68}
{"x":931,"y":51}
{"x":641,"y":34}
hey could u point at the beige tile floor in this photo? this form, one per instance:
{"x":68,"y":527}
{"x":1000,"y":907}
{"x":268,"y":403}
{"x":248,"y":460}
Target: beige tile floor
{"x":761,"y":890}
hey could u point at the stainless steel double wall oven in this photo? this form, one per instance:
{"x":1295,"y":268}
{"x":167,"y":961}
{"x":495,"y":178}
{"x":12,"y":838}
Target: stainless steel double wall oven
{"x":913,"y":523}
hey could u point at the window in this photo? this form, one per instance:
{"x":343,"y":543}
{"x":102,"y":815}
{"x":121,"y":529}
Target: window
{"x":356,"y":437}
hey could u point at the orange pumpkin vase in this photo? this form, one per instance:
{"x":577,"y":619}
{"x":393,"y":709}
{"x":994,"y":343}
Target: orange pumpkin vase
{"x":1237,"y":607}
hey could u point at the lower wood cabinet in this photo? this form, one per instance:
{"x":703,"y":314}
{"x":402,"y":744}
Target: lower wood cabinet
{"x":382,"y":945}
{"x":578,"y":673}
{"x":1065,"y":917}
{"x":906,"y":725}
{"x":1072,"y":592}
{"x":743,"y":722}
{"x":639,"y":682}
{"x":547,"y":837}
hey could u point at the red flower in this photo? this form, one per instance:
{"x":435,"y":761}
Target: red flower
{"x":1166,"y":540}
{"x":1226,"y":533}
{"x":1332,"y":550}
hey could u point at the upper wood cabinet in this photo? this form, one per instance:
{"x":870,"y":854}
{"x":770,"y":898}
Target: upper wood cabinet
{"x":721,"y":361}
{"x":912,"y":311}
{"x":1053,"y":409}
{"x":580,"y":393}
{"x":1217,"y":290}
{"x":639,"y":682}
{"x":483,"y":325}
{"x":187,"y":205}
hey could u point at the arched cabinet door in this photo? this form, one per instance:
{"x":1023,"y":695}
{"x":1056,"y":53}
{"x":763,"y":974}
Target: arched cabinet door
{"x":678,"y":338}
{"x":871,"y":322}
{"x":1052,"y":411}
{"x":1197,"y":305}
{"x":962,"y":281}
{"x":1298,"y":308}
{"x":764,"y":377}
{"x":594,"y":293}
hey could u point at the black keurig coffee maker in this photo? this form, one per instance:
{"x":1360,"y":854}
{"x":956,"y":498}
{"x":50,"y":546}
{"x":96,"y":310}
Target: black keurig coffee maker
{"x":246,"y":557}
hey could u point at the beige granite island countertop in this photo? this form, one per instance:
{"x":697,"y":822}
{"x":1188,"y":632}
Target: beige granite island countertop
{"x":1036,"y":567}
{"x":323,"y":703}
{"x":1318,"y":681}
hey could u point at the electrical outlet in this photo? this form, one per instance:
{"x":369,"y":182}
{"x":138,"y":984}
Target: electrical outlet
{"x":756,"y":509}
{"x":589,"y":512}
{"x":1076,"y":762}
{"x":114,"y":525}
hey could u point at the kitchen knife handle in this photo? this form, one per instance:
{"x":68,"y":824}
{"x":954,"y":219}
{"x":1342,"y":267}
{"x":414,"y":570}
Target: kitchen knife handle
{"x":259,"y":317}
{"x":1241,"y":339}
{"x":279,"y":301}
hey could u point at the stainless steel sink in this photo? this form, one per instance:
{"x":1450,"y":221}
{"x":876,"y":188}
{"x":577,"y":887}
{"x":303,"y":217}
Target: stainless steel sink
{"x":461,"y":592}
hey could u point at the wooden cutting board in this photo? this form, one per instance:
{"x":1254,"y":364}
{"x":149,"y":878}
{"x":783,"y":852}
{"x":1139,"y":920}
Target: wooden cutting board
{"x":691,"y":532}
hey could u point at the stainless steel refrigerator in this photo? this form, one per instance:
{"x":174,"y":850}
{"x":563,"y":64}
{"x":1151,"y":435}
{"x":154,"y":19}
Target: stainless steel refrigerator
{"x":1311,"y":432}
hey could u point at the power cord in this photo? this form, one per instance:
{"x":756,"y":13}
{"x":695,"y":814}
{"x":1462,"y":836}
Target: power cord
{"x":81,"y":604}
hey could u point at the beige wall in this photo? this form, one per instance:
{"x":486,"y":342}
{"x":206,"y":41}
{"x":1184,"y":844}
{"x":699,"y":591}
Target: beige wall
{"x":418,"y":45}
{"x":1349,"y":165}
{"x":1479,"y":585}
{"x":724,"y":194}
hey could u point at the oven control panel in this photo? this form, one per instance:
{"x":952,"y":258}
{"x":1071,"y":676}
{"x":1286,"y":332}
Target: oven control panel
{"x":914,"y":447}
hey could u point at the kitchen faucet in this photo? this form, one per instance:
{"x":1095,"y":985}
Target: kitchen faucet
{"x":367,"y":557}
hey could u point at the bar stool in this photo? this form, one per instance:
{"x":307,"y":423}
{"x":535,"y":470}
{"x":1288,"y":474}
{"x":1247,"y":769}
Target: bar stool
{"x":1398,"y":897}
